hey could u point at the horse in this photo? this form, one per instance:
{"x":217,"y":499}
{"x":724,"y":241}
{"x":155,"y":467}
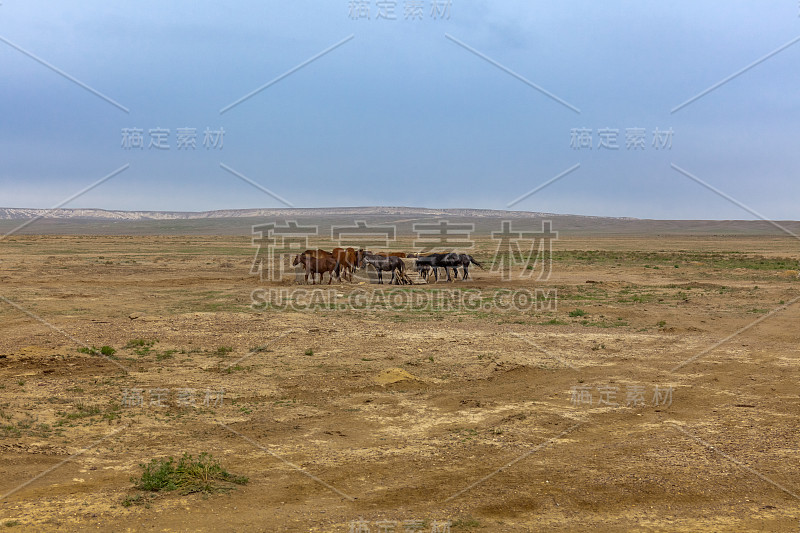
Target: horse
{"x":423,"y":270}
{"x":435,"y":261}
{"x":381,"y":263}
{"x":348,"y":261}
{"x":317,"y":264}
{"x":466,"y":260}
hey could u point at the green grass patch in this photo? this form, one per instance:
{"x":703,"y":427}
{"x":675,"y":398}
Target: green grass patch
{"x":554,"y":322}
{"x":139,"y":343}
{"x":108,"y":351}
{"x":140,"y":346}
{"x":187,"y":475}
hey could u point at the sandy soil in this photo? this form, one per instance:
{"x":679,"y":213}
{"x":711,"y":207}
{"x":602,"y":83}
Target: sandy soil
{"x":660,"y":393}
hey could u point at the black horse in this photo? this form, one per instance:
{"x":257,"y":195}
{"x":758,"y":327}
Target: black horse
{"x":382,"y":263}
{"x":437,"y":261}
{"x":434,"y":262}
{"x":466,"y":260}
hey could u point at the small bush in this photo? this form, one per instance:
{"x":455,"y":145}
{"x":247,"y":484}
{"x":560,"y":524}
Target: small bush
{"x":309,"y":352}
{"x":136,"y":499}
{"x":166,"y":354}
{"x":105,"y":350}
{"x":187,"y":475}
{"x":139,"y":343}
{"x":577,"y":312}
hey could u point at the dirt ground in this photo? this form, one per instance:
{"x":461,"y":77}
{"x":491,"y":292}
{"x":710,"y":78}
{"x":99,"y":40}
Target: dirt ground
{"x":658,"y":392}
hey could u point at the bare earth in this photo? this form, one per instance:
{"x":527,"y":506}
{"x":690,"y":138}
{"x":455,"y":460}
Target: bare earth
{"x":471,"y":416}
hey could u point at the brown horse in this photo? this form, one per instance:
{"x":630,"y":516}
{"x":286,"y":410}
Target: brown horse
{"x":348,"y":261}
{"x":315,"y":263}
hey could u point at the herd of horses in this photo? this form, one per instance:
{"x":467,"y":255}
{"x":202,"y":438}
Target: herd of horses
{"x":341,"y":262}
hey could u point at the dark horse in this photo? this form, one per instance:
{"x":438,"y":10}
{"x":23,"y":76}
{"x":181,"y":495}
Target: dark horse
{"x":317,"y":262}
{"x":466,"y":260}
{"x":447,"y":261}
{"x":382,"y":263}
{"x":437,"y":261}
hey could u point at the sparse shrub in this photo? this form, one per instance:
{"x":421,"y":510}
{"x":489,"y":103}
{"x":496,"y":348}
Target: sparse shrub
{"x":577,"y":312}
{"x":140,"y":346}
{"x":107,"y":351}
{"x":139,"y":343}
{"x":309,"y":352}
{"x":262,"y":348}
{"x":187,"y":475}
{"x":136,"y":499}
{"x":166,"y":354}
{"x":223,"y":350}
{"x":465,"y":523}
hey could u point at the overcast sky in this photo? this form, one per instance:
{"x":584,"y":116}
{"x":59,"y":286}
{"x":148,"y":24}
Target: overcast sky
{"x":415,"y":111}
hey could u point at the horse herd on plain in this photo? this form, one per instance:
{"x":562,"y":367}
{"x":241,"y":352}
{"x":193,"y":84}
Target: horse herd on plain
{"x":341,"y":262}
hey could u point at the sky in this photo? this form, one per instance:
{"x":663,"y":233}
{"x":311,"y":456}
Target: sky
{"x":461,"y":104}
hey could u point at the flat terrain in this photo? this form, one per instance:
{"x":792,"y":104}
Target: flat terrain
{"x":660,"y":391}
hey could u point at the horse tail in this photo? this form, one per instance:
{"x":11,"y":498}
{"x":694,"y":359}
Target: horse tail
{"x":475,"y":262}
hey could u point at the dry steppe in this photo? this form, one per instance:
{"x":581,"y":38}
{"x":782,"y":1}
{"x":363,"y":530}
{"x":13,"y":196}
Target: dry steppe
{"x":546,"y":419}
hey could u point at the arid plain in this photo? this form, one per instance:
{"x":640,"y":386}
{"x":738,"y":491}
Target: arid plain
{"x":658,"y":391}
